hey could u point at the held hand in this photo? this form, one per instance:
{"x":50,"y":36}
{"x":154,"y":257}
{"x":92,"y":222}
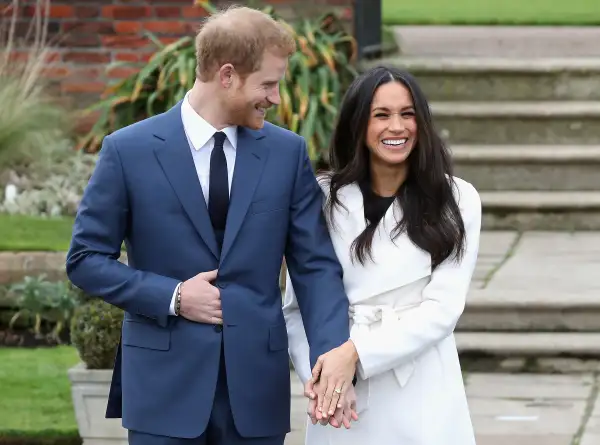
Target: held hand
{"x":312,"y":403}
{"x":334,"y":371}
{"x":342,"y":416}
{"x":347,"y":413}
{"x":200,"y":300}
{"x":312,"y":411}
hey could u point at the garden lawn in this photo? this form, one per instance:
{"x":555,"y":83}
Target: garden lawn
{"x":36,"y":393}
{"x":27,"y":233}
{"x":484,"y":12}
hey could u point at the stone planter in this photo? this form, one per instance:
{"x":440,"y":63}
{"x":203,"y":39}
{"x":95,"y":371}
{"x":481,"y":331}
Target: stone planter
{"x":89,"y":389}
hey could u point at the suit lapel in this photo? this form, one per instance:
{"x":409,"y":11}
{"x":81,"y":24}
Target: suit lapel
{"x":249,"y":163}
{"x":174,"y":155}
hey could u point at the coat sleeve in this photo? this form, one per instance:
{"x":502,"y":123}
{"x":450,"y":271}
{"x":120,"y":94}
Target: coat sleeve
{"x":298,"y":344}
{"x":443,"y":302}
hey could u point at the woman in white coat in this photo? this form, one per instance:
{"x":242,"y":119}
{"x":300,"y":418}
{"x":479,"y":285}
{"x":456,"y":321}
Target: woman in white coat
{"x":406,"y":232}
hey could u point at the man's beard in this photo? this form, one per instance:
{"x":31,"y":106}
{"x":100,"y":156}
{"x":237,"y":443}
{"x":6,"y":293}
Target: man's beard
{"x":244,"y":115}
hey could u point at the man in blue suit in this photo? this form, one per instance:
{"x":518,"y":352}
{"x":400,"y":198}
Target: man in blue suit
{"x":208,"y":199}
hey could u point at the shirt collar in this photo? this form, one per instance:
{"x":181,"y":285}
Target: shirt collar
{"x":198,"y":130}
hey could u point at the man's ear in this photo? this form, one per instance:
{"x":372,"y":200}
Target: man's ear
{"x":226,"y":75}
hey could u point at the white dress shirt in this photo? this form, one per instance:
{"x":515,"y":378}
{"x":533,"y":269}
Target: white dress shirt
{"x":200,"y":136}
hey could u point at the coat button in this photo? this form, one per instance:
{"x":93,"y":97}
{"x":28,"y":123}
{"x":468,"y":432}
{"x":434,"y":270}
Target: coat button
{"x":218,"y":328}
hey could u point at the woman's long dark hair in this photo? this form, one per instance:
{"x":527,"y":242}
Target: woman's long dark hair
{"x":431,"y":216}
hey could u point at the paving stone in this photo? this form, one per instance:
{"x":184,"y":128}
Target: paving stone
{"x":525,"y":440}
{"x":543,"y":260}
{"x":596,"y":410}
{"x":593,"y":425}
{"x":496,"y":243}
{"x":498,"y":41}
{"x":493,"y":248}
{"x":591,"y":435}
{"x":590,"y":439}
{"x":530,"y":344}
{"x":530,"y":386}
{"x":527,"y":409}
{"x":559,"y":423}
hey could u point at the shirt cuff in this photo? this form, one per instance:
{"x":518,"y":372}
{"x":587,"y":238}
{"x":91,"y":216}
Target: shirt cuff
{"x":172,"y":307}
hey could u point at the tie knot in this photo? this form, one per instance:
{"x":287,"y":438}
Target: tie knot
{"x":219,"y":138}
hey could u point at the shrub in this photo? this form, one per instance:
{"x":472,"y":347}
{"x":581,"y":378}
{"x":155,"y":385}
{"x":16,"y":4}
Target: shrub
{"x":52,"y":302}
{"x":30,"y":119}
{"x":95,"y":332}
{"x":317,"y":77}
{"x":52,"y":185}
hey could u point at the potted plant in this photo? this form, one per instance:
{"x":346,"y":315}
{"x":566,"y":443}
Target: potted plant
{"x":95,"y":333}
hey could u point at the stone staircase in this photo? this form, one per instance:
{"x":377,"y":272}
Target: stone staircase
{"x":534,"y":296}
{"x":522,"y":323}
{"x":525,"y":132}
{"x":523,"y":125}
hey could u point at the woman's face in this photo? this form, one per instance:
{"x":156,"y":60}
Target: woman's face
{"x":392,"y":127}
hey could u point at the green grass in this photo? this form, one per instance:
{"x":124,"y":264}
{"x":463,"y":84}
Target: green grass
{"x":35,"y":392}
{"x":505,"y":12}
{"x":26,"y":233}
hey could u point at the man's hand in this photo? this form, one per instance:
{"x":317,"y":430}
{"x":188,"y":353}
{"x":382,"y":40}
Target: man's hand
{"x":347,"y":413}
{"x":334,"y":371}
{"x":200,"y":300}
{"x":342,"y":416}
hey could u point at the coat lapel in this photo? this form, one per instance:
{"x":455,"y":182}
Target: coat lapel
{"x":174,"y":155}
{"x":249,"y":163}
{"x":396,"y":263}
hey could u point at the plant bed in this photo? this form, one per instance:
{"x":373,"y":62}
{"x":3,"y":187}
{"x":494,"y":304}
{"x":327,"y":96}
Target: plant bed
{"x":49,"y":437}
{"x":25,"y":338}
{"x":37,"y":312}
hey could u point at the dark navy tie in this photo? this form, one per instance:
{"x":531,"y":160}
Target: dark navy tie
{"x":218,"y":190}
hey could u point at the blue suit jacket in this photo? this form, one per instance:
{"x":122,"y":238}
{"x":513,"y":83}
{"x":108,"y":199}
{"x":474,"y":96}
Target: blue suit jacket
{"x":145,"y":191}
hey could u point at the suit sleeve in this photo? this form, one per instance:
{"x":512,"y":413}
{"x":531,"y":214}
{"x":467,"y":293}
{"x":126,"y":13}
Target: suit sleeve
{"x":444,"y":300}
{"x":314,"y":269}
{"x":98,"y":232}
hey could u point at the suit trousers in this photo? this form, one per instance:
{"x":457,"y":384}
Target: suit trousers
{"x":221,"y":429}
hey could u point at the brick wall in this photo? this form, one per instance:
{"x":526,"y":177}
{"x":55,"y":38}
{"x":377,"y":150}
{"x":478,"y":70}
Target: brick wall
{"x":94,"y":33}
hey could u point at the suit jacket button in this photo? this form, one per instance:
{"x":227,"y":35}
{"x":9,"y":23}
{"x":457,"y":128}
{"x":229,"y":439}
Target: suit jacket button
{"x":218,"y":328}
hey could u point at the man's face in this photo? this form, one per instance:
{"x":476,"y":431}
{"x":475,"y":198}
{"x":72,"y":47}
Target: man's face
{"x":249,"y":98}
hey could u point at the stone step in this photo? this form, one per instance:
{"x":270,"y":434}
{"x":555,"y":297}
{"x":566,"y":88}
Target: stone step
{"x":503,"y":79}
{"x":549,"y":210}
{"x":577,"y":344}
{"x":529,"y":167}
{"x":575,"y":122}
{"x":530,"y":311}
{"x":526,"y":42}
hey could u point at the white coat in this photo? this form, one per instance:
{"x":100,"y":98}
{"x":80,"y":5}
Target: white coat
{"x":410,"y":389}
